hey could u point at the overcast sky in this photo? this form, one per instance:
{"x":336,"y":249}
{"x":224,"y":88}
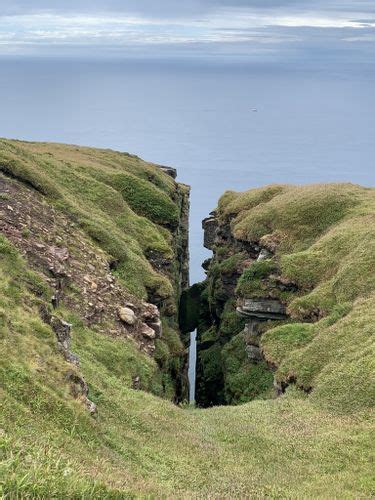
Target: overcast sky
{"x":318,"y":29}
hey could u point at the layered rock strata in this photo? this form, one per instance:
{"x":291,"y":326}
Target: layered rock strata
{"x":231,"y":321}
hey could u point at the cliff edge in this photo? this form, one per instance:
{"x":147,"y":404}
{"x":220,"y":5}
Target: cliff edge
{"x":289,"y":296}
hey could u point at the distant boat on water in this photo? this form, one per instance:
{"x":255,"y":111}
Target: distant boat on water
{"x":254,"y":110}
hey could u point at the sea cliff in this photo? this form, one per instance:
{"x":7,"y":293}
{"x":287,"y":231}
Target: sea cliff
{"x":95,"y":311}
{"x":290,"y":266}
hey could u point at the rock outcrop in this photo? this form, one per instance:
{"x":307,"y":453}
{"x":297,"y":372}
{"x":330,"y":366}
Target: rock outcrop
{"x":62,"y":330}
{"x":261,"y":309}
{"x":284,"y":266}
{"x":240,"y":298}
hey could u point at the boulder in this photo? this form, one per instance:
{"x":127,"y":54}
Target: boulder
{"x":147,"y":331}
{"x":150,"y":313}
{"x":127,"y":315}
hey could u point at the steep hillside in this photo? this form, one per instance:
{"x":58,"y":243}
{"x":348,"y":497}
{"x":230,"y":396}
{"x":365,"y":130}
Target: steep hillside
{"x":108,"y":235}
{"x":88,"y":372}
{"x":289,"y":296}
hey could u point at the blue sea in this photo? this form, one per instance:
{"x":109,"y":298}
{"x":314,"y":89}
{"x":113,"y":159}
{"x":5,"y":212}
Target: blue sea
{"x":223,"y":126}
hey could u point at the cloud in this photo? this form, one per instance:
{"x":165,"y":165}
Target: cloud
{"x":247,"y":27}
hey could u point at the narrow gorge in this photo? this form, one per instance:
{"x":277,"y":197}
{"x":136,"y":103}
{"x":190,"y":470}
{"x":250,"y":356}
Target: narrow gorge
{"x":240,"y":299}
{"x":96,"y":316}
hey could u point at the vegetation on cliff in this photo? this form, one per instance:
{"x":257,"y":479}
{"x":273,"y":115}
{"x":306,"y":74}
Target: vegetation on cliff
{"x":57,"y":229}
{"x":322,"y":239}
{"x":312,"y":248}
{"x":123,"y":203}
{"x":138,"y":444}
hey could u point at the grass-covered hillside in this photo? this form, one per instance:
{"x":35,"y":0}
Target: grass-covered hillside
{"x":312,"y":249}
{"x":129,"y":207}
{"x":72,"y":229}
{"x":103,"y":229}
{"x":321,"y":240}
{"x":141,"y":445}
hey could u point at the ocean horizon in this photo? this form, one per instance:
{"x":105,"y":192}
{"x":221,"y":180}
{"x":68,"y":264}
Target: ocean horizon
{"x":222,"y":125}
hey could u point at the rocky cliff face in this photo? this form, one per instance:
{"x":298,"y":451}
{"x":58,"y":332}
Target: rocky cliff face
{"x":231,"y":367}
{"x":279,"y":274}
{"x":117,"y":266}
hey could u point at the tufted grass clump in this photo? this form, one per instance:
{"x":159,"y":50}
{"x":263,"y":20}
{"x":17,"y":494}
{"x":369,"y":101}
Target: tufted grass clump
{"x":250,"y":282}
{"x":244,"y":381}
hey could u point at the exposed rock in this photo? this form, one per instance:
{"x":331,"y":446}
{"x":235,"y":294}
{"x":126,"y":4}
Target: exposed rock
{"x":254,"y":353}
{"x":264,"y":254}
{"x":130,"y":305}
{"x":215,"y":321}
{"x":71,"y":357}
{"x":206,"y":264}
{"x":252,"y":333}
{"x":91,"y":406}
{"x":127,"y":315}
{"x":147,"y":331}
{"x":172,"y":172}
{"x":62,"y":331}
{"x":80,"y":390}
{"x":262,"y":309}
{"x":57,"y":270}
{"x":77,"y":271}
{"x":210,"y":226}
{"x":58,"y":253}
{"x":150,"y":312}
{"x":136,"y":383}
{"x":157,"y":327}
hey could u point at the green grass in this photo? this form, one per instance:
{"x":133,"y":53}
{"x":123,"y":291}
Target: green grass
{"x":141,"y":445}
{"x":123,"y":203}
{"x":293,"y":216}
{"x":323,"y":238}
{"x":251,"y":281}
{"x":244,"y":381}
{"x":316,"y":445}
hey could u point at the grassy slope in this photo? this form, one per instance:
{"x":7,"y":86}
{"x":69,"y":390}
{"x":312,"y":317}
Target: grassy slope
{"x":295,"y":446}
{"x":324,"y":239}
{"x":121,"y":202}
{"x":140,"y":444}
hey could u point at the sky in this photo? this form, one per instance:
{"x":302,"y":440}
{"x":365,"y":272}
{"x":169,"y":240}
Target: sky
{"x":257,"y":29}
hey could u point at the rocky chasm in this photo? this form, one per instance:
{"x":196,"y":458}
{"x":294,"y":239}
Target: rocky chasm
{"x":88,"y":277}
{"x":95,"y":315}
{"x":218,"y":314}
